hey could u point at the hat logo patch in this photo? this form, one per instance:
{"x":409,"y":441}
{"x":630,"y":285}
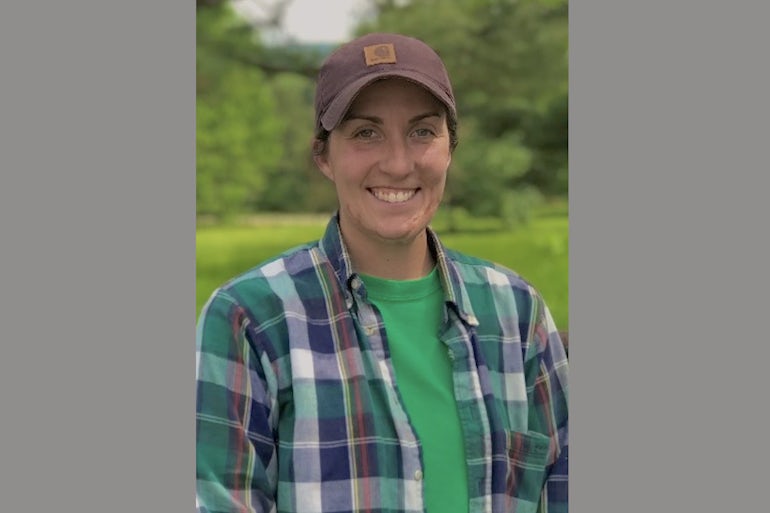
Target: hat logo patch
{"x":380,"y":54}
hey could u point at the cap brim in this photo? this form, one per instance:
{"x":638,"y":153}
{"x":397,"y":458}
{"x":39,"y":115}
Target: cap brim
{"x":339,"y":106}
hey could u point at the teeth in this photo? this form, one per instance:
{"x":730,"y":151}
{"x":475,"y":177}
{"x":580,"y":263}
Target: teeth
{"x":394,"y":197}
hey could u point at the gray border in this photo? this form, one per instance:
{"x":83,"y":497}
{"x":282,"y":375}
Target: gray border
{"x":667,"y":135}
{"x":97,"y":212}
{"x":668,"y":255}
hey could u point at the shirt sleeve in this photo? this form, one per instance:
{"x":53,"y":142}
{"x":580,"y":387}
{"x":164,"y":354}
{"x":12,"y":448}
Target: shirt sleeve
{"x":235,"y":446}
{"x":546,"y":375}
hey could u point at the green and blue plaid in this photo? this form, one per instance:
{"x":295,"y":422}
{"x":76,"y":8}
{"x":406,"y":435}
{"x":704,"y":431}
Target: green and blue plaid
{"x":298,"y":411}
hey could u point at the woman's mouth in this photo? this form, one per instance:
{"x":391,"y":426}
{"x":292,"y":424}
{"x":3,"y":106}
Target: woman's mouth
{"x":393,"y":195}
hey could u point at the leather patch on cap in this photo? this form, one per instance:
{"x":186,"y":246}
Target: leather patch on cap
{"x":380,"y":54}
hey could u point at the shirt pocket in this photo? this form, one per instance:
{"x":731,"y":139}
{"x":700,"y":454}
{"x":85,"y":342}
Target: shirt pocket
{"x":527,"y":458}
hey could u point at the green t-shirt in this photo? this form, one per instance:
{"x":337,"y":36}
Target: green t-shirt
{"x":413,"y":313}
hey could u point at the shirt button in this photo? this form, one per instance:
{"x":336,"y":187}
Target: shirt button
{"x":418,"y":475}
{"x":369,"y":330}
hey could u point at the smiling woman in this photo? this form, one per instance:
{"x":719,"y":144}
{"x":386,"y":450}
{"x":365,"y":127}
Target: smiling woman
{"x":388,"y":160}
{"x":376,"y":369}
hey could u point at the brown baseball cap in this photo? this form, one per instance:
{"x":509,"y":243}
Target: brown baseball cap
{"x":360,"y":62}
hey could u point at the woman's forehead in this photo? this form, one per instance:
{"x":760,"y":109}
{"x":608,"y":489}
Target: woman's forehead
{"x":389,"y":90}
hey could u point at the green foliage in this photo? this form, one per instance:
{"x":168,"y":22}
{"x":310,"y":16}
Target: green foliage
{"x":483,"y":170}
{"x":518,"y":205}
{"x":237,"y":125}
{"x":548,"y":137}
{"x":295,"y":182}
{"x":508,"y":61}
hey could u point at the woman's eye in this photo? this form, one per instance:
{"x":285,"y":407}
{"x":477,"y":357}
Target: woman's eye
{"x":423,"y":132}
{"x":365,"y":133}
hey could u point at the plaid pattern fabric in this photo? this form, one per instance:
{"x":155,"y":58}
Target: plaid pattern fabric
{"x":297,"y":409}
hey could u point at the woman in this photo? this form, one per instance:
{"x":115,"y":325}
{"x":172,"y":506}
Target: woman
{"x":375,"y":369}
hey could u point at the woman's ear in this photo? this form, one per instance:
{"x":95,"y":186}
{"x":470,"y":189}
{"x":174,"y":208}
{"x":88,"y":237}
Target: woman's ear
{"x":320,"y":157}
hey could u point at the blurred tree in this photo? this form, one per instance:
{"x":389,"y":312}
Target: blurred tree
{"x":548,"y":136}
{"x":237,"y":126}
{"x":255,"y":116}
{"x":508,"y":61}
{"x":295,"y":182}
{"x":282,"y":55}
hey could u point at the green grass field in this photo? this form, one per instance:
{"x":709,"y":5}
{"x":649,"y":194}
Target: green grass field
{"x":539,"y":251}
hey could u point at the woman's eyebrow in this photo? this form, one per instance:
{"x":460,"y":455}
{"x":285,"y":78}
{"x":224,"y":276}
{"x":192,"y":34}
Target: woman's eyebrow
{"x":426,"y":115}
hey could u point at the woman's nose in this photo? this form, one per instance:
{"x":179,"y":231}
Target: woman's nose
{"x":397,"y":159}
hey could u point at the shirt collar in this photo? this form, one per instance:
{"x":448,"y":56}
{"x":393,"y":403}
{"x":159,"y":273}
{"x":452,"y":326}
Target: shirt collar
{"x":455,"y":294}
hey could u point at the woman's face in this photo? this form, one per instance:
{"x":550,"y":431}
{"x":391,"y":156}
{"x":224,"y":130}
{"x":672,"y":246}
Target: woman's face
{"x":388,"y":160}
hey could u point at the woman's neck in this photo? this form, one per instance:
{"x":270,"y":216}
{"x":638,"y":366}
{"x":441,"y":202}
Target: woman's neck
{"x":395,"y":260}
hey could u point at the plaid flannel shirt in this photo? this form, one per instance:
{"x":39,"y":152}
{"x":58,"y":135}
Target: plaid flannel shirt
{"x":298,"y":410}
